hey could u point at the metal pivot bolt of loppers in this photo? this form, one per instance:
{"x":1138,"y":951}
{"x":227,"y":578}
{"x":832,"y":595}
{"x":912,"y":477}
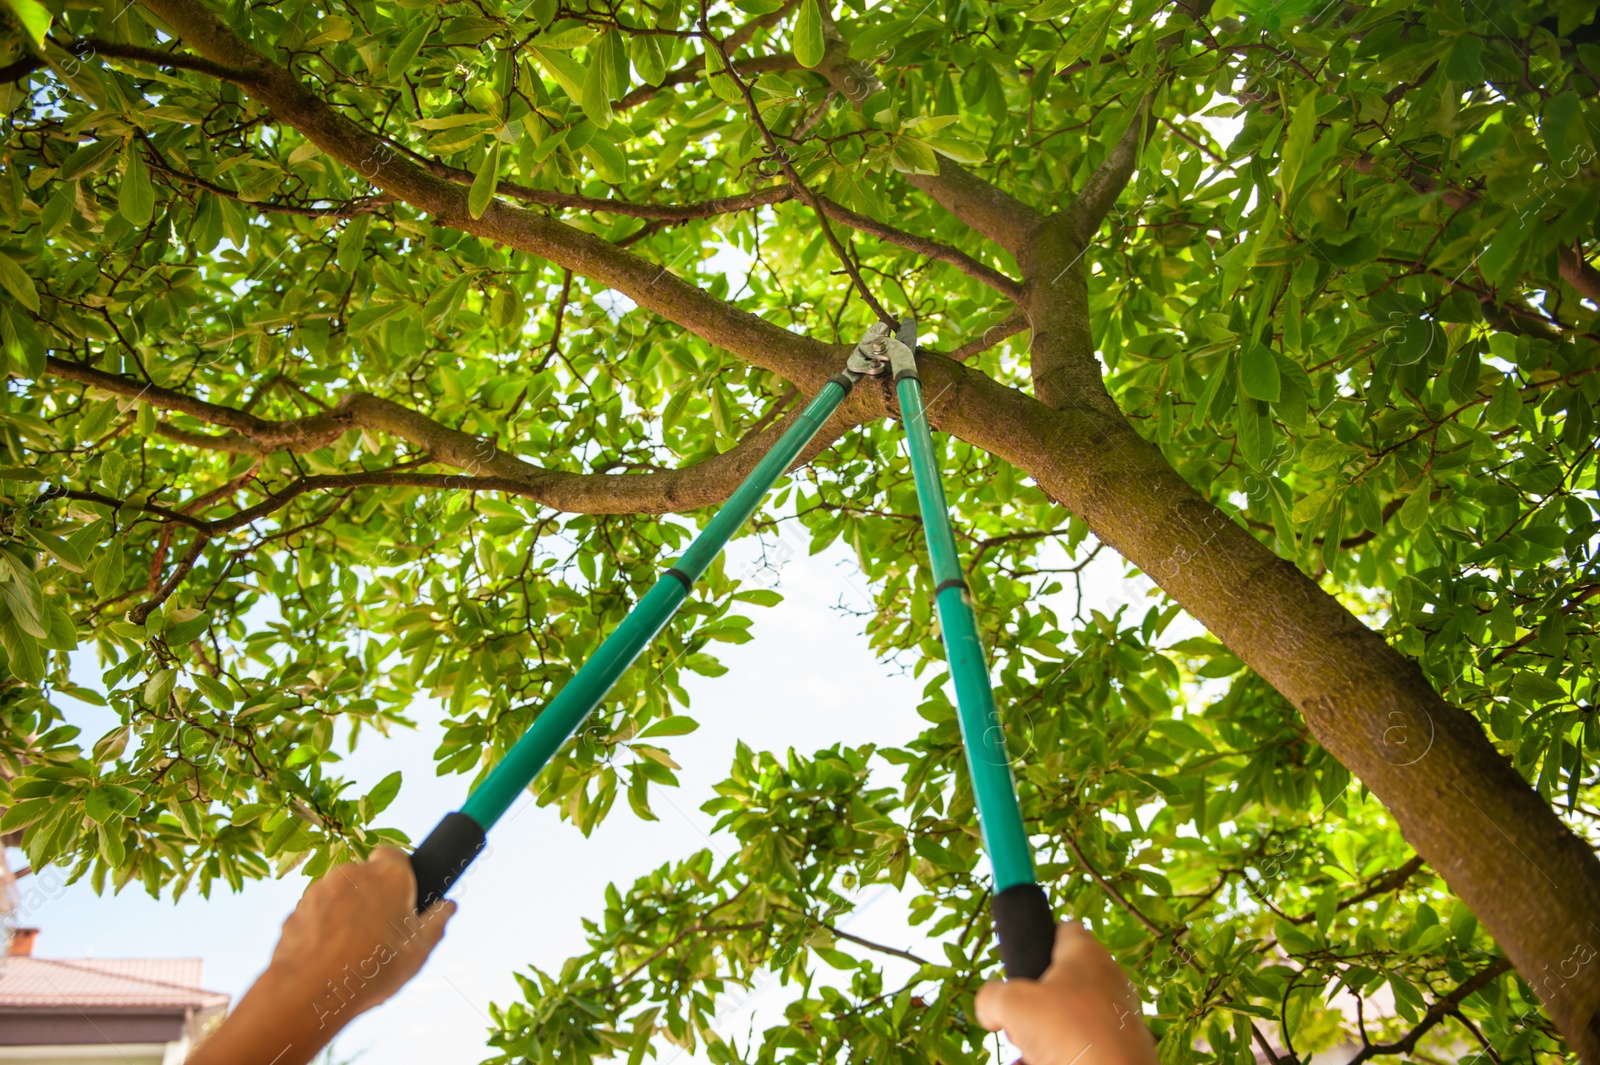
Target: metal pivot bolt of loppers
{"x":1022,"y":917}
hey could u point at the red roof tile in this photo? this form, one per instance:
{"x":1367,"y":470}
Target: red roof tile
{"x":114,"y":983}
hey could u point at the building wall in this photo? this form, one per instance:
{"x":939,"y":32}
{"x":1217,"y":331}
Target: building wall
{"x":104,"y":1054}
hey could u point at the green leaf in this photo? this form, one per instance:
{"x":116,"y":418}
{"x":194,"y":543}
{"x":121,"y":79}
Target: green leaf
{"x":1565,"y":131}
{"x":216,"y":692}
{"x":671,"y":726}
{"x":1302,"y":127}
{"x":484,"y":183}
{"x":110,"y":746}
{"x":159,"y":687}
{"x":1505,"y":405}
{"x":1534,"y":688}
{"x":444,"y":302}
{"x":88,"y":160}
{"x":808,"y":43}
{"x":101,"y":805}
{"x":112,"y":846}
{"x":607,"y":159}
{"x":912,"y":155}
{"x":352,"y":243}
{"x":1513,"y":232}
{"x":108,"y":571}
{"x":136,"y":199}
{"x":596,"y":99}
{"x":567,"y":71}
{"x":614,"y":60}
{"x":406,"y":51}
{"x":383,"y":793}
{"x":1414,"y":511}
{"x":1258,"y":372}
{"x":1465,"y":63}
{"x":645,"y":52}
{"x":717,"y":74}
{"x":1049,"y":9}
{"x":68,"y":555}
{"x":186,"y":631}
{"x":33,"y":17}
{"x":837,"y":959}
{"x":960,"y":151}
{"x":17,"y":282}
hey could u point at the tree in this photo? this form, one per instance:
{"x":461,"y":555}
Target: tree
{"x":358,"y":349}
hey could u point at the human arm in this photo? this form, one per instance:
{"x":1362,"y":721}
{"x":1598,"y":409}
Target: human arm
{"x":352,"y":942}
{"x":1082,"y":1011}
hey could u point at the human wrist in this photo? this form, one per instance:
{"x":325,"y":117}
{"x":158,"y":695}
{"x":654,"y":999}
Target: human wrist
{"x":306,"y":996}
{"x":281,"y":1019}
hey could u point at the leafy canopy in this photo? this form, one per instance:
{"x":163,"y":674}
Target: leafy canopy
{"x":1346,"y":292}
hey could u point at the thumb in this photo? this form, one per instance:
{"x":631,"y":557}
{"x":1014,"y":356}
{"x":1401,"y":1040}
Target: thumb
{"x":434,"y":920}
{"x":996,"y":1000}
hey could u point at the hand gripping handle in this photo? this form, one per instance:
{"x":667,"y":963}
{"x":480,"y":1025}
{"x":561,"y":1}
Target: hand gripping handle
{"x":1026,"y":928}
{"x":441,"y":858}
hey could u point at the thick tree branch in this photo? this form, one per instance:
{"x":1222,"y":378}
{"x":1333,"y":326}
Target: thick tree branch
{"x":88,"y":47}
{"x":489,"y":467}
{"x":999,"y":216}
{"x":1092,"y":203}
{"x":1577,"y":272}
{"x":18,"y":69}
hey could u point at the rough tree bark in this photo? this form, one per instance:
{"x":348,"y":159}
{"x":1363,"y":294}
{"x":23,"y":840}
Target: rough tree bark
{"x":1533,"y":884}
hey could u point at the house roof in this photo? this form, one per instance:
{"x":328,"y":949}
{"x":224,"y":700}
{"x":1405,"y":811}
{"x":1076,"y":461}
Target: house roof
{"x":109,"y":983}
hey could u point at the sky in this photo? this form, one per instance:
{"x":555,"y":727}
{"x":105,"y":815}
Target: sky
{"x":807,"y":680}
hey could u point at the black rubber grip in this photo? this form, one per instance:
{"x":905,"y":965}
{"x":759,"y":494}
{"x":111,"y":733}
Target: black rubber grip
{"x":1026,"y":928}
{"x":682,"y":578}
{"x":444,"y":856}
{"x":845,"y":381}
{"x":901,"y":375}
{"x":953,"y":582}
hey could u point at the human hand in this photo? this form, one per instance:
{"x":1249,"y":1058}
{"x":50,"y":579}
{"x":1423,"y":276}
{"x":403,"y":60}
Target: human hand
{"x":353,"y":941}
{"x":356,"y":938}
{"x":1082,"y":1011}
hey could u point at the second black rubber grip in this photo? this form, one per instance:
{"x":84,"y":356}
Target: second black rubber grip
{"x":1026,"y":929}
{"x":439,"y":860}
